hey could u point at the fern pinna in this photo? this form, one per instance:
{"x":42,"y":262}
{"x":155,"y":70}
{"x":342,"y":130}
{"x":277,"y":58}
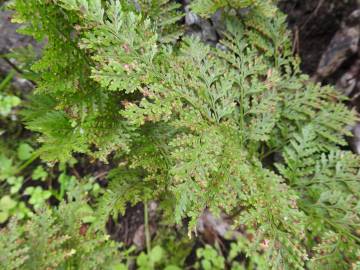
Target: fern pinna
{"x":194,"y":126}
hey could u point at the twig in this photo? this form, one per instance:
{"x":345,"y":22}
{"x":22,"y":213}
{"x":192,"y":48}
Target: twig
{"x":76,"y":173}
{"x":100,"y":175}
{"x":28,"y":162}
{"x":15,"y":67}
{"x":321,"y":2}
{"x":296,"y":43}
{"x":7,"y":80}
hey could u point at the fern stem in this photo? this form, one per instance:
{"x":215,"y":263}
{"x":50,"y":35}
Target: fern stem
{"x":146,"y":224}
{"x":28,"y":162}
{"x":7,"y":80}
{"x":341,"y":229}
{"x":242,"y":112}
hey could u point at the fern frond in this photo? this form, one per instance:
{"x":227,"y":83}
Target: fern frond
{"x":125,"y":187}
{"x":192,"y":124}
{"x":328,"y":184}
{"x":166,"y":16}
{"x":13,"y":254}
{"x":208,"y":7}
{"x":58,"y":232}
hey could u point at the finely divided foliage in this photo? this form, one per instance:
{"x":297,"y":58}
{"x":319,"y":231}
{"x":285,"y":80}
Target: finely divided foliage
{"x":197,"y":127}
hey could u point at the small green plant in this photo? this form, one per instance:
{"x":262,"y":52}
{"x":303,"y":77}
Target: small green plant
{"x":197,"y":127}
{"x":7,"y":101}
{"x":42,"y":183}
{"x":58,"y":239}
{"x":147,"y":261}
{"x":210,"y":259}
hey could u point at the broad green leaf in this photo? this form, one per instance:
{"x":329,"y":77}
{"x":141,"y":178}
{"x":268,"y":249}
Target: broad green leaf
{"x":24,"y":151}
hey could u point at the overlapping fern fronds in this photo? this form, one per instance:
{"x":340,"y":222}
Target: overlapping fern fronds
{"x":195,"y":125}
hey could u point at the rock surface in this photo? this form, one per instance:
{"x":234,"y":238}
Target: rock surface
{"x":342,"y":56}
{"x":343,"y":45}
{"x":9,"y":41}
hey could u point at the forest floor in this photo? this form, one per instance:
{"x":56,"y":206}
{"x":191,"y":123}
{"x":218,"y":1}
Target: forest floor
{"x":326,"y":36}
{"x":313,"y":25}
{"x":316,"y":27}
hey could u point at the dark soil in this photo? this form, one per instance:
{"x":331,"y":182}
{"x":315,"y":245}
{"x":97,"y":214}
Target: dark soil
{"x":313,"y":24}
{"x":124,"y":228}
